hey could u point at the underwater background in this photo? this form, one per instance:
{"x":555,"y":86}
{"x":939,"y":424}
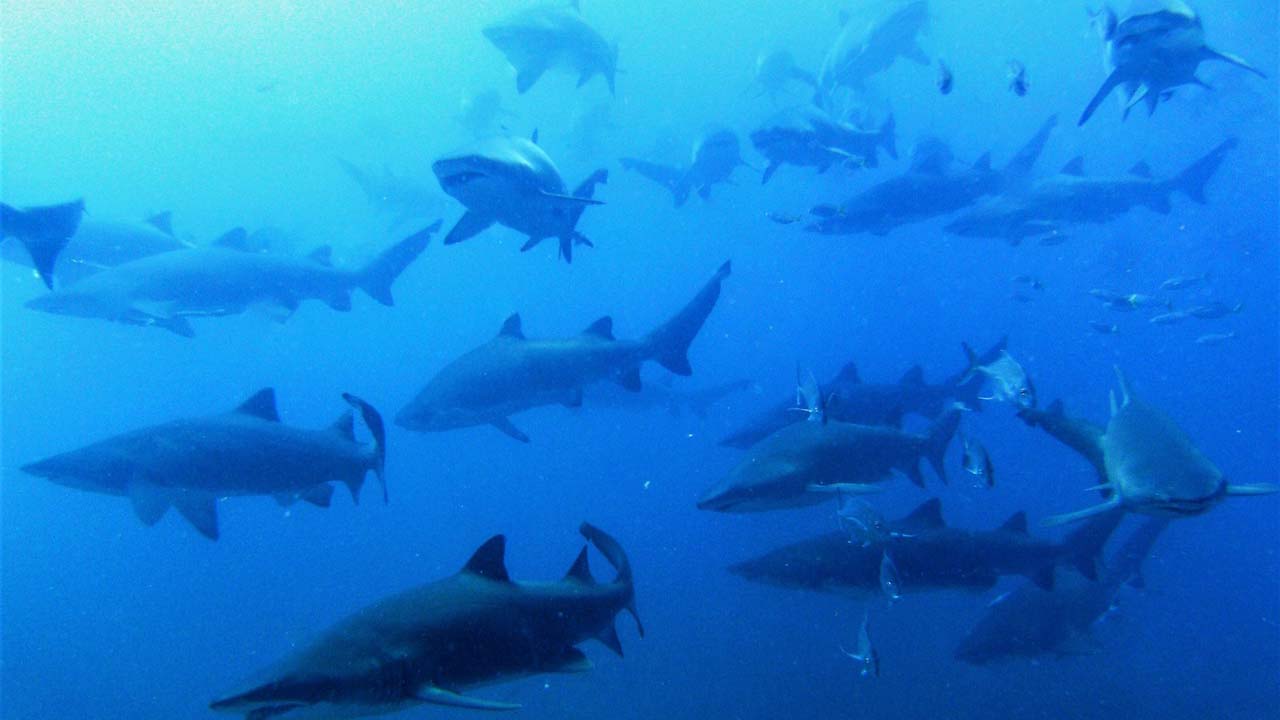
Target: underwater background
{"x":236,"y":114}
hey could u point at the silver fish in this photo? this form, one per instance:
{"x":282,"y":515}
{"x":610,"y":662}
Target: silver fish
{"x":976,"y":460}
{"x":1104,"y":328}
{"x":1010,"y":382}
{"x":1215,"y":338}
{"x":865,"y":653}
{"x":945,"y":79}
{"x":890,"y":582}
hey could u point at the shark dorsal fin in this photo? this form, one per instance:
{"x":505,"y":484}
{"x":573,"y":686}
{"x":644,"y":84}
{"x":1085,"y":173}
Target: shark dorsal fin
{"x":261,"y":404}
{"x":534,"y":137}
{"x":1141,"y":169}
{"x":581,"y":570}
{"x":234,"y":239}
{"x":322,"y":255}
{"x":914,"y":376}
{"x":849,"y":374}
{"x":345,"y":426}
{"x":602,"y":328}
{"x":927,"y":516}
{"x":511,"y":327}
{"x":488,"y":560}
{"x":1017,"y":523}
{"x":162,"y":221}
{"x":1074,"y":167}
{"x":984,"y":162}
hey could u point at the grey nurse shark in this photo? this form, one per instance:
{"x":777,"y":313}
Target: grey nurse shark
{"x":511,"y":373}
{"x":1072,"y":198}
{"x":862,"y":51}
{"x":1147,"y":462}
{"x":401,"y":198}
{"x":935,"y":185}
{"x":1156,"y":47}
{"x":166,"y":289}
{"x":427,"y":645}
{"x":190,"y":463}
{"x":552,"y":35}
{"x":928,"y":556}
{"x":716,"y":154}
{"x":807,"y":136}
{"x":848,"y":398}
{"x":513,"y":182}
{"x":1032,"y":621}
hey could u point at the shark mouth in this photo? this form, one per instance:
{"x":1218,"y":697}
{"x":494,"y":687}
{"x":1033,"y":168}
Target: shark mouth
{"x":459,"y":179}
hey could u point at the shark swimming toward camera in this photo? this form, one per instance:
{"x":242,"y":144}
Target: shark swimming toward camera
{"x":1072,"y":198}
{"x":513,"y":182}
{"x":1031,"y":621}
{"x":189,"y":464}
{"x":512,"y":373}
{"x":166,"y":289}
{"x":715,"y":156}
{"x":427,"y":645}
{"x":862,"y":51}
{"x":848,"y":398}
{"x":550,"y":36}
{"x":1151,"y":51}
{"x":776,"y":70}
{"x":806,"y":136}
{"x":928,"y":556}
{"x":935,"y":185}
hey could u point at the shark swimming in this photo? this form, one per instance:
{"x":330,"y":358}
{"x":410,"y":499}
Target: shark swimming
{"x":399,"y":197}
{"x":1151,"y":51}
{"x":776,"y":70}
{"x":806,"y":136}
{"x":43,"y":233}
{"x":1071,"y":198}
{"x":861,"y":51}
{"x":190,"y":463}
{"x":427,"y":645}
{"x":511,"y":373}
{"x":928,"y":555}
{"x":166,"y":289}
{"x":513,"y":182}
{"x":548,"y":36}
{"x":716,"y":154}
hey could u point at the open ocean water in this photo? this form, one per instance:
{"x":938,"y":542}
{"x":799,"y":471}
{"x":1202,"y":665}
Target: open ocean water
{"x":267,"y":114}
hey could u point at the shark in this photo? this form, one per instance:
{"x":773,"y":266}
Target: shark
{"x":166,"y":289}
{"x":933,"y":186}
{"x":806,"y":136}
{"x":861,"y":51}
{"x":1072,"y":198}
{"x":848,"y":398}
{"x":1031,"y":621}
{"x":191,"y":463}
{"x":928,"y":554}
{"x":1147,"y":462}
{"x":1151,"y":51}
{"x":546,"y":36}
{"x":716,"y":154}
{"x":777,"y":69}
{"x":808,"y":463}
{"x":43,"y":233}
{"x":513,"y":182}
{"x":399,"y":197}
{"x":511,"y":372}
{"x":427,"y":645}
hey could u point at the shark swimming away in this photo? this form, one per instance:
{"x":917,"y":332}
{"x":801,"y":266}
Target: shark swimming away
{"x":552,"y":35}
{"x":44,"y":233}
{"x":191,"y":463}
{"x":716,"y":154}
{"x":429,"y":644}
{"x":511,"y":373}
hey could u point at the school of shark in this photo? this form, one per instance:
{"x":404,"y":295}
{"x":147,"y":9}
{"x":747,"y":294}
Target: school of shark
{"x":834,"y":442}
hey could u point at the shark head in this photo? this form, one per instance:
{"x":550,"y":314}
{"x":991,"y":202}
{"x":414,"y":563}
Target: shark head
{"x":91,"y":468}
{"x":473,"y":178}
{"x":77,"y":303}
{"x":757,"y":484}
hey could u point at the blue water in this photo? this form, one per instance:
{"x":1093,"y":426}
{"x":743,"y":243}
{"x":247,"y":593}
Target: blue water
{"x":235,"y":115}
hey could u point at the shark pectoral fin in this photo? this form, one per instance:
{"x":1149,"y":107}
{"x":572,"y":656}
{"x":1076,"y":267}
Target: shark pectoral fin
{"x":1070,"y":517}
{"x":571,"y":660}
{"x":510,"y":430}
{"x":1108,"y":85}
{"x":850,"y":488}
{"x":279,"y":311}
{"x":321,"y":495}
{"x":769,"y":170}
{"x":1211,"y":54}
{"x":469,"y":225}
{"x":913,"y":53}
{"x":201,"y":510}
{"x":528,"y":75}
{"x":608,"y":635}
{"x":1252,"y":489}
{"x":440,"y":696}
{"x":149,"y":501}
{"x":570,"y":199}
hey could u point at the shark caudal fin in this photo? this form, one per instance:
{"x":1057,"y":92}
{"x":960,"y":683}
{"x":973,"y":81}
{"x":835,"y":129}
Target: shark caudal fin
{"x":376,"y":277}
{"x":671,"y":178}
{"x":1191,"y":181}
{"x":44,"y":231}
{"x":1019,"y":168}
{"x":668,"y":344}
{"x":614,"y":553}
{"x":1083,"y":547}
{"x":939,"y":439}
{"x":378,"y":429}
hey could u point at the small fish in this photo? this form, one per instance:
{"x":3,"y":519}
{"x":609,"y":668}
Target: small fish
{"x":1169,"y":318}
{"x":863,"y":522}
{"x":890,"y":582}
{"x":1215,"y":338}
{"x":1133,"y":301}
{"x":945,"y":79}
{"x":809,"y":399}
{"x":1182,"y":282}
{"x":1105,"y":296}
{"x":1010,"y":382}
{"x":1029,"y":280}
{"x":976,"y":460}
{"x":1104,"y":328}
{"x":1214,"y":310}
{"x":865,"y":654}
{"x":783,"y":218}
{"x":1018,"y":78}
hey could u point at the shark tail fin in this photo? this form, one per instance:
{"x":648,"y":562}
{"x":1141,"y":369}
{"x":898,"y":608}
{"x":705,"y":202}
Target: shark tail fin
{"x":1191,"y":181}
{"x":1084,"y":545}
{"x":668,"y":344}
{"x":1019,"y":168}
{"x":378,"y":429}
{"x":939,"y":439}
{"x":887,"y":137}
{"x":376,"y":277}
{"x":613,"y":552}
{"x":44,"y":231}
